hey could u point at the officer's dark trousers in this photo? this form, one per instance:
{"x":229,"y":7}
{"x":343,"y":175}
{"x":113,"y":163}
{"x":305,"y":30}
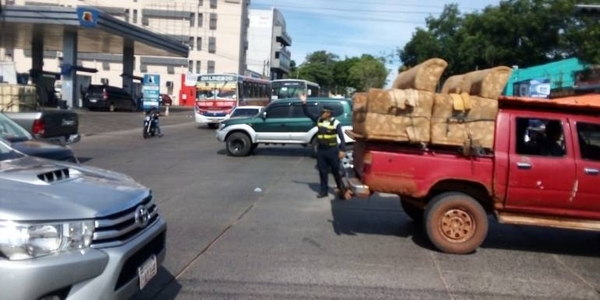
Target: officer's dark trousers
{"x":327,"y":158}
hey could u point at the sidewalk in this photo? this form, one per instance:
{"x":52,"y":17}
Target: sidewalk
{"x":95,"y":122}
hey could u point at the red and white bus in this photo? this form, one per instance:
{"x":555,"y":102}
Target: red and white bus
{"x":215,"y":95}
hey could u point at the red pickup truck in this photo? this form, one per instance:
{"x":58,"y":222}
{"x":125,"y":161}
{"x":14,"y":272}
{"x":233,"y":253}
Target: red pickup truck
{"x":544,"y":170}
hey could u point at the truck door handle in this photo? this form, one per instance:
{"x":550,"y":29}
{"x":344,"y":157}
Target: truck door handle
{"x":523,"y":165}
{"x":591,"y":171}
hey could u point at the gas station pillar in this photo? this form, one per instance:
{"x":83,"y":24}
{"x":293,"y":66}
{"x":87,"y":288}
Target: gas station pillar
{"x":128,"y":59}
{"x":68,"y":71}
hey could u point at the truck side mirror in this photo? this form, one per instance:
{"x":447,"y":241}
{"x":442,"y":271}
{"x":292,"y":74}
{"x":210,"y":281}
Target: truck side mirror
{"x":264,"y":115}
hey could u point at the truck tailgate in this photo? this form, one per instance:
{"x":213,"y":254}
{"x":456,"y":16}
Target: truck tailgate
{"x":413,"y":172}
{"x":55,"y":123}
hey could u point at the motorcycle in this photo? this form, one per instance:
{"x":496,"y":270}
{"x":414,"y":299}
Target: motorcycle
{"x":149,"y":126}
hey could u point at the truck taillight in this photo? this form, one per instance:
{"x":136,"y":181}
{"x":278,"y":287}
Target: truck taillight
{"x":39,"y":127}
{"x":104,"y":94}
{"x":367,"y":158}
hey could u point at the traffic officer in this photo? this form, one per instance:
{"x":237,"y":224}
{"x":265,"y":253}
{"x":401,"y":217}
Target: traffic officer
{"x":329,"y":151}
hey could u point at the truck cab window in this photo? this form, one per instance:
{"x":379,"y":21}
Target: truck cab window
{"x":541,"y":137}
{"x":589,"y":140}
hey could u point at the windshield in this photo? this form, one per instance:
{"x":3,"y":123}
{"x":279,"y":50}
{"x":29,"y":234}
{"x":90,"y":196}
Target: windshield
{"x":210,"y":90}
{"x":11,"y":131}
{"x":284,"y":90}
{"x":7,"y":153}
{"x":245,"y":112}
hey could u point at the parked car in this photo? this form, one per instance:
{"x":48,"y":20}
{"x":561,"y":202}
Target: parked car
{"x":244,"y":112}
{"x":165,"y":100}
{"x":24,"y":142}
{"x":281,"y":122}
{"x":109,"y":98}
{"x":56,"y":126}
{"x":72,"y":232}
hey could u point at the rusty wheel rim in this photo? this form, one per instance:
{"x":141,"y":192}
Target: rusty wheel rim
{"x":457,"y":225}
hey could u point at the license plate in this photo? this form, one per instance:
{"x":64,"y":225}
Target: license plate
{"x":147,"y":271}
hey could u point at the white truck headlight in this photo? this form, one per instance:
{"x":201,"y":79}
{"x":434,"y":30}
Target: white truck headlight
{"x":20,"y":241}
{"x":222,"y":125}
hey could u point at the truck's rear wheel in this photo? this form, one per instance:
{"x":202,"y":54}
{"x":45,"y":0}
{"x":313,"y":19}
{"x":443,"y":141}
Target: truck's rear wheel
{"x":455,"y":223}
{"x":414,"y":212}
{"x":238,"y":144}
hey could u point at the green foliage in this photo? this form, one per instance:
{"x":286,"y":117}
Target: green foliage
{"x":335,"y":75}
{"x":515,"y":32}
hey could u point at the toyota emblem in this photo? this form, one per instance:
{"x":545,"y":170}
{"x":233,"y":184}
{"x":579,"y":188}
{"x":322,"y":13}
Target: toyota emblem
{"x":142,"y":216}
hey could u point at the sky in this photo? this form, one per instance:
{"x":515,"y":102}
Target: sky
{"x":352,"y":27}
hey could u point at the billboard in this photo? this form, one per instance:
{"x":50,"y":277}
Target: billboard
{"x":534,"y":88}
{"x":151,"y":90}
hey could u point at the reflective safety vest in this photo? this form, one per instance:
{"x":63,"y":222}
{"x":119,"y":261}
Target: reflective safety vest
{"x":327,"y":133}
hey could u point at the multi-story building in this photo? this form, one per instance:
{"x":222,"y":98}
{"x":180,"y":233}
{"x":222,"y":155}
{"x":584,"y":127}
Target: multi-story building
{"x":267,"y":43}
{"x":215,"y":31}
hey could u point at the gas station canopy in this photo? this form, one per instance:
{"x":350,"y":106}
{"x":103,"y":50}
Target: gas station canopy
{"x":97,"y":31}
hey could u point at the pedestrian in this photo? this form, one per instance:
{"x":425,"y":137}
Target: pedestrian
{"x":329,"y":151}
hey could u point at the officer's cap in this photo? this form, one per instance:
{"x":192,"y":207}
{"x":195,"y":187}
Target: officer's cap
{"x":327,"y":108}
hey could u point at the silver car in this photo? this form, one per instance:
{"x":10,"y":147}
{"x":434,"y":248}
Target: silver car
{"x":73,"y":232}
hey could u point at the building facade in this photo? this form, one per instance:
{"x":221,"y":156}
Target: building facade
{"x":267,"y":43}
{"x":215,"y":30}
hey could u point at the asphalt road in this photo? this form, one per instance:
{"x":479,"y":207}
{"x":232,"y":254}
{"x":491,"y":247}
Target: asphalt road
{"x":229,"y":240}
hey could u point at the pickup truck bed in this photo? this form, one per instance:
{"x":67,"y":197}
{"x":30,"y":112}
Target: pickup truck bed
{"x":57,"y":126}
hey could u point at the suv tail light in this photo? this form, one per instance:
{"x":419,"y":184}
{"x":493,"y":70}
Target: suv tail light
{"x":104,"y":94}
{"x":39,"y":127}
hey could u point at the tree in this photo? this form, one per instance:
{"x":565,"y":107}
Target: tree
{"x":368,"y":72}
{"x":515,"y":32}
{"x":318,"y":68}
{"x":341,"y":74}
{"x":293,"y":70}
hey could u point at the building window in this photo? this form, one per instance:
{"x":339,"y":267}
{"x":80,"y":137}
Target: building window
{"x":170,"y":69}
{"x":190,"y":66}
{"x":135,"y":16}
{"x":199,"y":43}
{"x":143,"y":68}
{"x":200,"y":2}
{"x":213,"y":3}
{"x":212,"y":44}
{"x":198,"y":67}
{"x":191,"y":42}
{"x":213,"y":21}
{"x":192,"y":19}
{"x":210,"y":68}
{"x":127,"y":15}
{"x":200,"y":19}
{"x":105,"y":66}
{"x":145,"y":21}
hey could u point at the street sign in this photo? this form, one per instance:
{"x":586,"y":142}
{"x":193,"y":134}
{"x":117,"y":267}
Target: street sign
{"x":151,"y":90}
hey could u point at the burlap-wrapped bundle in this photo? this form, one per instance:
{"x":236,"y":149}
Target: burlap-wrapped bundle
{"x":456,"y":84}
{"x":395,"y":115}
{"x":463,"y":120}
{"x":424,"y":76}
{"x":488,"y":83}
{"x":359,"y":112}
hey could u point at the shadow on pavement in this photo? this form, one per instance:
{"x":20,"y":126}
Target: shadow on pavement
{"x":357,"y":216}
{"x":354,"y":217}
{"x":83,"y":160}
{"x":543,"y":240}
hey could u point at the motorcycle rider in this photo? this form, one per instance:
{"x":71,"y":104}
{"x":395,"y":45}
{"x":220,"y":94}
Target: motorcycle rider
{"x":154,"y":113}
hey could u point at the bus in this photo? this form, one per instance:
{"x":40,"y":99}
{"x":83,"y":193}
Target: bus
{"x":290,"y":88}
{"x":217,"y":94}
